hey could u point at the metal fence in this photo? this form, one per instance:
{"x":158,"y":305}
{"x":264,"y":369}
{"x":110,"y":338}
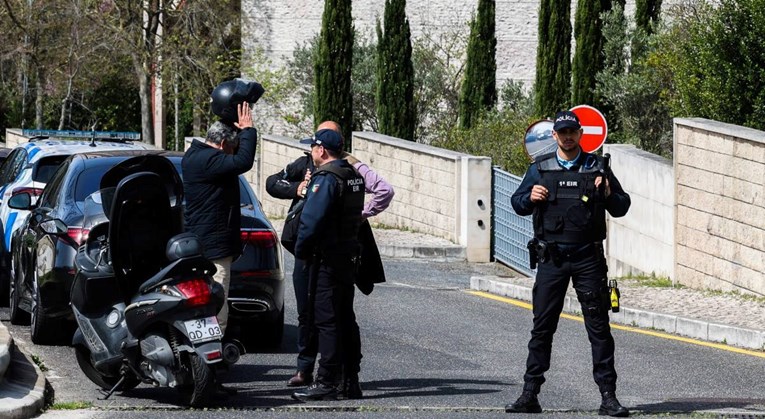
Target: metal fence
{"x":511,"y":232}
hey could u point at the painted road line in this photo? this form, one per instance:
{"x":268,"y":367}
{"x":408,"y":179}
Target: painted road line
{"x":628,"y":328}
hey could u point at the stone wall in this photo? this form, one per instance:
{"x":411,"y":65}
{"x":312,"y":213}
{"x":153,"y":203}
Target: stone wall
{"x":642,"y":241}
{"x":437,"y":192}
{"x":720,"y":206}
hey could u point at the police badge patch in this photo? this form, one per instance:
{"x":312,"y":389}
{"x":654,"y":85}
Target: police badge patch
{"x":315,"y":188}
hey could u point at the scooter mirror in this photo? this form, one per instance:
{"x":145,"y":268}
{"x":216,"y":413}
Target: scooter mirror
{"x":539,"y":139}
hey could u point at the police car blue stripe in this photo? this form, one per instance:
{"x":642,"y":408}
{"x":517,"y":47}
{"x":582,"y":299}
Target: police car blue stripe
{"x":33,"y":151}
{"x":8,"y":228}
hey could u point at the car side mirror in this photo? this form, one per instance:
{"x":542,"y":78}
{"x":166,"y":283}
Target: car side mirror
{"x":54,"y":226}
{"x":21,"y":201}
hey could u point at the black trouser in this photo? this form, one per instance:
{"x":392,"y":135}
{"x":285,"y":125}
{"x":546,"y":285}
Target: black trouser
{"x":588,"y":269}
{"x":335,"y":321}
{"x":307,"y":342}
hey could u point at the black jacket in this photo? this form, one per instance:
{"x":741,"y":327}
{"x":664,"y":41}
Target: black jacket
{"x":211,"y":186}
{"x":283,"y":185}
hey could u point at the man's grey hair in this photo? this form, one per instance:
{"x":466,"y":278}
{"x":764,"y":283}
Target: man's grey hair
{"x":219,"y":131}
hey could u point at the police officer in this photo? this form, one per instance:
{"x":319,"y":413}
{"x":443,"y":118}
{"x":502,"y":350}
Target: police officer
{"x":568,"y":197}
{"x":328,"y":238}
{"x":292,"y":183}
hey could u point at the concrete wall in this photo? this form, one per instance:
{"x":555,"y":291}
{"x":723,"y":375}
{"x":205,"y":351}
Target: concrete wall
{"x":642,"y":241}
{"x":13,"y":137}
{"x":720,"y":206}
{"x":438,"y":192}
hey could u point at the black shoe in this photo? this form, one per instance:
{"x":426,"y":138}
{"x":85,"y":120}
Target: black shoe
{"x":526,"y":403}
{"x":611,"y":406}
{"x":351,"y":389}
{"x":316,"y":391}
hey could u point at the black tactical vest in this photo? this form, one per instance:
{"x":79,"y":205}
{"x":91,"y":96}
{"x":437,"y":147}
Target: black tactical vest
{"x":574,"y":211}
{"x":348,"y":209}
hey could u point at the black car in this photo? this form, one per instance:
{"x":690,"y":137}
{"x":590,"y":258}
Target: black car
{"x":44,"y":248}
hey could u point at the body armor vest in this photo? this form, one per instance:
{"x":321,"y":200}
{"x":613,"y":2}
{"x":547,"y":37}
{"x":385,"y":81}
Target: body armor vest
{"x":348,"y":209}
{"x":575,"y":210}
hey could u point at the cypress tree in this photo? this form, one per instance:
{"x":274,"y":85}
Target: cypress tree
{"x":395,"y":73}
{"x":479,"y":90}
{"x":646,"y":13}
{"x":588,"y":57}
{"x":553,"y":78}
{"x":333,"y":99}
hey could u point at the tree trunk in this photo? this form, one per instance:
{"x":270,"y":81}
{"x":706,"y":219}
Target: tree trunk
{"x":39,"y":99}
{"x":144,"y":91}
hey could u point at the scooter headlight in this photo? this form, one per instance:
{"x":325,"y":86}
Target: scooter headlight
{"x":113,"y":319}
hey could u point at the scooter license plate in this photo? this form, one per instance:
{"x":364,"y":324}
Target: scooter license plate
{"x":200,"y":330}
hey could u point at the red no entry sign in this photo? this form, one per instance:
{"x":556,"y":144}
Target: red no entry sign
{"x":594,"y":126}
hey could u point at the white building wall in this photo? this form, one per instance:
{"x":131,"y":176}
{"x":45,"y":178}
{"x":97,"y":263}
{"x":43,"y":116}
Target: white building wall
{"x":642,"y":242}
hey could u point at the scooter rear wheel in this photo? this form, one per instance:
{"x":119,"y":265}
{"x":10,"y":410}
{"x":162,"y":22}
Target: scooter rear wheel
{"x":204,"y":381}
{"x":106,"y":382}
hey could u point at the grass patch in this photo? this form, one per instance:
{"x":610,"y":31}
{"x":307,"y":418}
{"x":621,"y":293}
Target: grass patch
{"x":746,"y":297}
{"x":71,"y":405}
{"x":652,"y":281}
{"x":36,"y":359}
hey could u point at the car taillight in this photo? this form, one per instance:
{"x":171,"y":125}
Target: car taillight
{"x":30,"y":191}
{"x":196,"y":291}
{"x":260,"y":238}
{"x":79,"y":235}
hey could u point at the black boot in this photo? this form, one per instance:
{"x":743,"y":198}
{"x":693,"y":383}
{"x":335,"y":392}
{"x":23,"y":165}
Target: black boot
{"x":526,"y":403}
{"x":316,"y":391}
{"x":611,"y":406}
{"x":351,"y":388}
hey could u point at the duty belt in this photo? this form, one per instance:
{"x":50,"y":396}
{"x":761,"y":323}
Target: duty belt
{"x":541,"y":251}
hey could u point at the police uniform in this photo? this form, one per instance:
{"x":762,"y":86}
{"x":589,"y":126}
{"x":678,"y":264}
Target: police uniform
{"x":328,"y":238}
{"x":570,"y":227}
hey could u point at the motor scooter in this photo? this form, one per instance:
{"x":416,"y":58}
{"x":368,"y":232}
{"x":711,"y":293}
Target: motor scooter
{"x":143,"y":296}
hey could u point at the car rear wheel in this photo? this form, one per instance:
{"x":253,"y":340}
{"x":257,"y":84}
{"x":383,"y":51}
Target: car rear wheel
{"x":44,"y":330}
{"x":16,"y":314}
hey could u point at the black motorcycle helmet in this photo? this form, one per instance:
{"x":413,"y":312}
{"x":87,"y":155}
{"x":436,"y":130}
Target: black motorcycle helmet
{"x":227,"y":95}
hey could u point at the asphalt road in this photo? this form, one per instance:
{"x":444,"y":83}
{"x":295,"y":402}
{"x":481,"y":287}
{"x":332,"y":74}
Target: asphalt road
{"x":433,"y":349}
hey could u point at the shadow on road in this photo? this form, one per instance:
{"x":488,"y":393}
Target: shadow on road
{"x":411,"y":387}
{"x":698,"y":404}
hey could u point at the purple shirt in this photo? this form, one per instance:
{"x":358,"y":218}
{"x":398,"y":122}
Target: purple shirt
{"x":382,"y":192}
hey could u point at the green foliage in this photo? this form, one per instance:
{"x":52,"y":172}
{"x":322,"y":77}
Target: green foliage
{"x":714,"y":58}
{"x":497,"y":134}
{"x":364,"y":83}
{"x":479,"y":92}
{"x":636,"y":110}
{"x":438,"y":69}
{"x":646,"y":20}
{"x":332,"y":67}
{"x":553,"y":76}
{"x":300,"y":72}
{"x":647,"y":14}
{"x":588,"y":57}
{"x":395,"y":73}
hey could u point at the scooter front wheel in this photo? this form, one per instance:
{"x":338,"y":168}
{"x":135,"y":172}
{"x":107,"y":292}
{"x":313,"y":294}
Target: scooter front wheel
{"x":106,"y":382}
{"x":204,"y":381}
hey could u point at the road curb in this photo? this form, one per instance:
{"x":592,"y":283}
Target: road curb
{"x":23,"y":387}
{"x":433,"y":253}
{"x":693,"y":328}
